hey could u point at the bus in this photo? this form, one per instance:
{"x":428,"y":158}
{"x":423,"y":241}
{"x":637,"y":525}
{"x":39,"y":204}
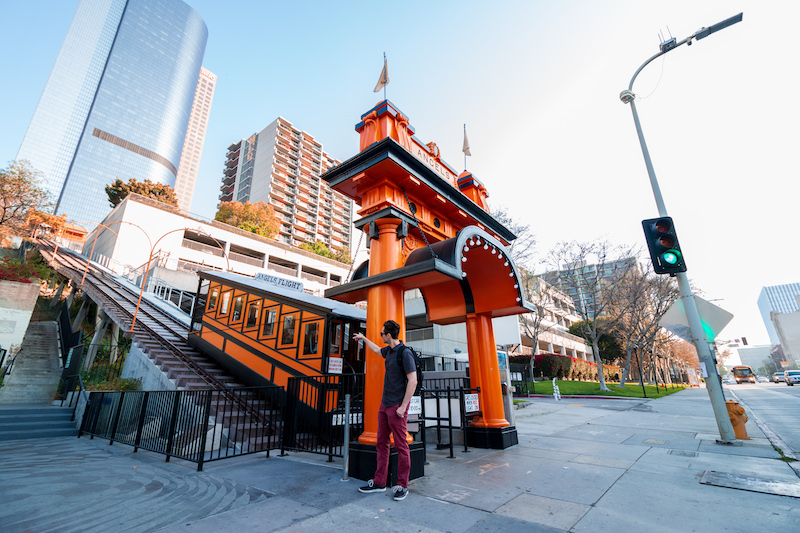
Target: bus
{"x":743,"y":374}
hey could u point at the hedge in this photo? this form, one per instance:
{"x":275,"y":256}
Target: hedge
{"x":551,"y":366}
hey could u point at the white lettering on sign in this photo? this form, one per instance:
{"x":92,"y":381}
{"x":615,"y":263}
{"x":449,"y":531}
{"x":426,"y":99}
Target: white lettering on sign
{"x":338,"y":420}
{"x":335,"y":365}
{"x":280,"y":282}
{"x":415,"y":406}
{"x":434,"y":165}
{"x":471,"y":403}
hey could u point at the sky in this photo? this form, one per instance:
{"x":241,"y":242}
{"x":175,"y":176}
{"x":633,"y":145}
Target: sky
{"x":537,"y":84}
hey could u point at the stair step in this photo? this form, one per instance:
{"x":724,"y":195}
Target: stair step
{"x":38,"y":434}
{"x":36,"y":426}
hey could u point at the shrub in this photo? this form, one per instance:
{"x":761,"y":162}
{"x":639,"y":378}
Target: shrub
{"x":571,"y":368}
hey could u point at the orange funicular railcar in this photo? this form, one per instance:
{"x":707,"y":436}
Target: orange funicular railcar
{"x":267,"y":330}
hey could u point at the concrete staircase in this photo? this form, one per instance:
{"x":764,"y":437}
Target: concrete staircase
{"x":36,"y":372}
{"x":35,"y":421}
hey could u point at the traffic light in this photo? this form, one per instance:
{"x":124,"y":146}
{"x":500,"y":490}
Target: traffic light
{"x":665,"y":252}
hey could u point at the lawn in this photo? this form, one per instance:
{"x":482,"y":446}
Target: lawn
{"x":592,"y":388}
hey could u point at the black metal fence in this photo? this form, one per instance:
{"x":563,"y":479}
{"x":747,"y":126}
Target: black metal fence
{"x":445,"y":411}
{"x":522,"y":379}
{"x":315,"y":413}
{"x":195,"y":425}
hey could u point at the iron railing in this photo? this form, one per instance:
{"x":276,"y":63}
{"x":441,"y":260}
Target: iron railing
{"x":315,"y":413}
{"x":195,"y":425}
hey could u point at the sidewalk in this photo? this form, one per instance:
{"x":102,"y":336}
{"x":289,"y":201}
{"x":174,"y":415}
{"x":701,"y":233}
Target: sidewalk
{"x":582,"y":465}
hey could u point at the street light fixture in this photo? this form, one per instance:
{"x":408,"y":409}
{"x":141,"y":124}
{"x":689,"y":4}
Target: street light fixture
{"x":698,"y":335}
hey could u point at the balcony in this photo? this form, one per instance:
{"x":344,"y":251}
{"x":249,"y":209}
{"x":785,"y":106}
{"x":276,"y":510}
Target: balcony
{"x":200,"y":247}
{"x":233,"y":256}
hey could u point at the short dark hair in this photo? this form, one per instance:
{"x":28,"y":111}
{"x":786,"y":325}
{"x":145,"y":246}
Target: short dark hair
{"x":392,"y":328}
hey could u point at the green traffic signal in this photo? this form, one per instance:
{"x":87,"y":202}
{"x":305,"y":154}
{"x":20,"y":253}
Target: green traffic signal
{"x":671,"y":257}
{"x":662,"y":243}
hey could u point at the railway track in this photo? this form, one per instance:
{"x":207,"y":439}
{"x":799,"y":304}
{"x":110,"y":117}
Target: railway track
{"x":160,"y":335}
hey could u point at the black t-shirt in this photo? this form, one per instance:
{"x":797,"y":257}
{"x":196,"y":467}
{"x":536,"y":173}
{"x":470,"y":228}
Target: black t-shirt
{"x":394,"y":379}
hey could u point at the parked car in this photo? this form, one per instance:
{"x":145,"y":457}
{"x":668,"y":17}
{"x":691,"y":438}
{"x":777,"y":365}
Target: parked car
{"x":777,"y":377}
{"x":791,"y":377}
{"x":762,"y":379}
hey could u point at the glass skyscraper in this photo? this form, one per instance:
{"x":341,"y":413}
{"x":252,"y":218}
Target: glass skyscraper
{"x":117,"y":102}
{"x":777,"y":299}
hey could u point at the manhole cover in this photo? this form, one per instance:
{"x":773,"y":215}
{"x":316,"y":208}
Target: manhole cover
{"x":654,"y":441}
{"x":683,"y":453}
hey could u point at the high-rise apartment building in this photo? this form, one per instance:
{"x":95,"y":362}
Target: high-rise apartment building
{"x":281,"y":166}
{"x":117,"y":102}
{"x":777,"y":299}
{"x":581,"y":281}
{"x":195,"y":137}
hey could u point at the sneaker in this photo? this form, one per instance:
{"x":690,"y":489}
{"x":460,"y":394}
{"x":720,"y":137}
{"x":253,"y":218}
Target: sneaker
{"x":372,"y":487}
{"x":400,"y":493}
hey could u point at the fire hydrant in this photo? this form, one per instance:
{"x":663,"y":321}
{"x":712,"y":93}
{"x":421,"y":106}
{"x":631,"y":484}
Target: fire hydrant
{"x":738,"y":419}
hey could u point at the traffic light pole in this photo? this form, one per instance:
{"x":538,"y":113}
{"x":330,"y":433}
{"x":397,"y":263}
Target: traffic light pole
{"x":698,"y":335}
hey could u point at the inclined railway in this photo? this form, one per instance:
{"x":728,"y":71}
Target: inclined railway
{"x":159,"y":334}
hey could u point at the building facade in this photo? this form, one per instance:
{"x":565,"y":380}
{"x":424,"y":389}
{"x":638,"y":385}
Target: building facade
{"x":281,"y":166}
{"x":186,"y":244}
{"x":195,"y":138}
{"x":117,"y":102}
{"x":581,"y":282}
{"x":777,"y":299}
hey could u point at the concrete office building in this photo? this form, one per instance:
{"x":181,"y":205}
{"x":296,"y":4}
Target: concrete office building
{"x":117,"y":102}
{"x":777,"y":299}
{"x":281,"y":166}
{"x":195,"y":137}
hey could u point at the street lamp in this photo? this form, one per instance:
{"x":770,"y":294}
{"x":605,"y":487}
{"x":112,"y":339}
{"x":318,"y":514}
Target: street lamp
{"x":699,"y":339}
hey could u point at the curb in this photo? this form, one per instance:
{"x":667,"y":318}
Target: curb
{"x":771,"y":436}
{"x":586,"y":397}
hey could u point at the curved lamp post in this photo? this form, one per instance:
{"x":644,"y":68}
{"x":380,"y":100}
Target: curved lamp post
{"x":150,"y":258}
{"x":91,"y":253}
{"x":698,"y":335}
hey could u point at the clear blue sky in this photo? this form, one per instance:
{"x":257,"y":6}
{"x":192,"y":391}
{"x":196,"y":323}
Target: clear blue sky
{"x":537,"y":83}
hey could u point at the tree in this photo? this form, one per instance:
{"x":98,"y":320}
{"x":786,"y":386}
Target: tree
{"x":642,"y":298}
{"x":522,"y":248}
{"x":320,"y":248}
{"x":258,"y":218}
{"x":20,"y":191}
{"x":540,"y":293}
{"x":118,"y":190}
{"x":588,"y":271}
{"x":610,"y":350}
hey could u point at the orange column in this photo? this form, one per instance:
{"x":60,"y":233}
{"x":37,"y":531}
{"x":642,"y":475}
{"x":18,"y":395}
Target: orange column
{"x":384,"y":302}
{"x":483,"y":350}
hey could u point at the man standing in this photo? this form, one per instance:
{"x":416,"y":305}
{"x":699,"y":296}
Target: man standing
{"x":399,"y":384}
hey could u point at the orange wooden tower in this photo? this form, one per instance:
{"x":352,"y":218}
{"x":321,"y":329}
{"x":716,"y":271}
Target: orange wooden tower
{"x":428,"y":228}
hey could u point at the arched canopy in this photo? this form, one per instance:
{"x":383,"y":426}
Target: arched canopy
{"x":470,"y":273}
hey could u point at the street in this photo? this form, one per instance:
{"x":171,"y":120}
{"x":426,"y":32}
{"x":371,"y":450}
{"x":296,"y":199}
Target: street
{"x":777,"y":405}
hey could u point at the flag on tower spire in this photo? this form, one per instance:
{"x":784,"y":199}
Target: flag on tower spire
{"x":383,"y":81}
{"x":465,"y":148}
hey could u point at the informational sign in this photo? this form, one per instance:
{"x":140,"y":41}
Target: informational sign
{"x":516,"y":376}
{"x":471,"y":403}
{"x":502,"y":360}
{"x":280,"y":282}
{"x":704,"y":369}
{"x":693,"y":381}
{"x":355,"y":418}
{"x":415,"y":406}
{"x":713,"y":319}
{"x":335,"y":365}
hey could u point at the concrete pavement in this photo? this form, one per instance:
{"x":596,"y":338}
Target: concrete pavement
{"x":582,"y":465}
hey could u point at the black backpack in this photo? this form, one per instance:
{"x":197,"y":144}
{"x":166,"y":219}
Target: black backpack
{"x":417,"y":363}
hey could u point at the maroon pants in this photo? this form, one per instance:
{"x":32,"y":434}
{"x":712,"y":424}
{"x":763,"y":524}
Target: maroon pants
{"x":389,"y":422}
